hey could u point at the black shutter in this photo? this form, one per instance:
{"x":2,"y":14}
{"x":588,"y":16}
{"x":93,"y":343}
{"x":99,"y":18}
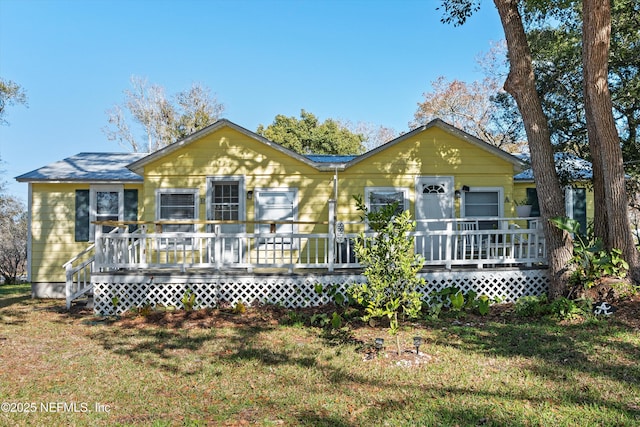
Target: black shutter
{"x":580,"y":208}
{"x":82,"y":216}
{"x":131,"y":208}
{"x":532,"y":196}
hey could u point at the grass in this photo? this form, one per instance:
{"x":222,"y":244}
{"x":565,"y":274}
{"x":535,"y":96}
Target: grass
{"x":218,"y":368}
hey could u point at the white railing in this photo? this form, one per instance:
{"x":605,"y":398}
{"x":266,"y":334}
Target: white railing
{"x":78,"y":269}
{"x":78,"y":274}
{"x":442,"y":243}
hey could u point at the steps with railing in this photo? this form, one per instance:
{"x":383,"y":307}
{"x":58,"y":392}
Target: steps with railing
{"x":78,"y":275}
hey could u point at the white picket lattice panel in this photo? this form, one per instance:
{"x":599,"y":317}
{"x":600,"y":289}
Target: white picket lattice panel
{"x":291,"y":290}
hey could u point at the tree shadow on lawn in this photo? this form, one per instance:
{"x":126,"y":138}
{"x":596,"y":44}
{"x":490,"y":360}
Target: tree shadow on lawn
{"x":183,"y":351}
{"x":13,"y":299}
{"x":12,"y":311}
{"x":565,"y":349}
{"x":446,"y":406}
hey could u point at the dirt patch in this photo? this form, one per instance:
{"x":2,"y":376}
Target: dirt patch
{"x":261,"y":316}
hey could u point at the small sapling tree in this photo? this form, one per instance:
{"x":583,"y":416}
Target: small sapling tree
{"x":391,"y":267}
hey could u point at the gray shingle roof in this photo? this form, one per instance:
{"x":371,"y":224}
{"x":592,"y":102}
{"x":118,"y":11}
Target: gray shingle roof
{"x":87,"y":167}
{"x":572,"y":167}
{"x":330,"y":158}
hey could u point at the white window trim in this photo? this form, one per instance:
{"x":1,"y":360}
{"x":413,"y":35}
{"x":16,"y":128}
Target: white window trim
{"x":196,"y":193}
{"x":259,"y":190}
{"x":403,"y":190}
{"x":499,"y":190}
{"x":568,"y":201}
{"x":93,"y":208}
{"x":217,"y":179}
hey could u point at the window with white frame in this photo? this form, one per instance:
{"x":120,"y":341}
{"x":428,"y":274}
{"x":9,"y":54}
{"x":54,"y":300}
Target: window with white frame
{"x":177,"y":204}
{"x":280,"y":206}
{"x":483,"y":202}
{"x":225,"y":200}
{"x":107,"y":204}
{"x":379,"y":197}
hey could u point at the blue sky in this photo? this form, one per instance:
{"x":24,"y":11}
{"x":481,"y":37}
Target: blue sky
{"x":367,"y":61}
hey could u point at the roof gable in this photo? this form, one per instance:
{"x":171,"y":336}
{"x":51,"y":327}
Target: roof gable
{"x":518,"y":165}
{"x":138,"y":166}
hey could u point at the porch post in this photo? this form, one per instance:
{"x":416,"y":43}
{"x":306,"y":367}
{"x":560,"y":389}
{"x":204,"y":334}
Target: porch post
{"x":99,"y":248}
{"x":143,"y":244}
{"x":331,"y":241}
{"x":217,"y":247}
{"x":68,"y":269}
{"x":448,"y":246}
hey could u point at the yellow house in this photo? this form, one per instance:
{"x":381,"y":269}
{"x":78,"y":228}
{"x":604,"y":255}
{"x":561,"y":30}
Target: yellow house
{"x":228,"y":181}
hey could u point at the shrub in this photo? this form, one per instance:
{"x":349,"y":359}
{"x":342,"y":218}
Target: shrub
{"x":391,"y":267}
{"x":531,"y":306}
{"x":591,"y":260}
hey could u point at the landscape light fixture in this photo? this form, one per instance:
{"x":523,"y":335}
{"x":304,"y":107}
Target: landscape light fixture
{"x":417,"y":342}
{"x":379,"y":343}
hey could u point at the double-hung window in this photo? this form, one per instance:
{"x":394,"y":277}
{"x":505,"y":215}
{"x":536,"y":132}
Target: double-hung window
{"x":483,"y":202}
{"x":176,"y":205}
{"x":377,"y":198}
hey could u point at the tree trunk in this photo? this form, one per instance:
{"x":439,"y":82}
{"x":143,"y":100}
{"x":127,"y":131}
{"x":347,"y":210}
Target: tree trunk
{"x":604,"y":141}
{"x":521,"y":85}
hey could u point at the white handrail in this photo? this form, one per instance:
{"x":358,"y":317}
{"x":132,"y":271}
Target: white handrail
{"x":312,"y":250}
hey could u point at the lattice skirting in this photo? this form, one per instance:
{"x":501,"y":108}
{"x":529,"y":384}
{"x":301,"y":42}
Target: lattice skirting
{"x":115,"y":294}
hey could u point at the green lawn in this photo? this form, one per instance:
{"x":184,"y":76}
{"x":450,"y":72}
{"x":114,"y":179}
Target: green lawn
{"x":219,"y":368}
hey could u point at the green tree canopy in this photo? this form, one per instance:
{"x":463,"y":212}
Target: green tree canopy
{"x":554,"y":33}
{"x":308,"y":136}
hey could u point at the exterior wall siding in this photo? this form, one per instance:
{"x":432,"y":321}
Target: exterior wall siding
{"x":52,"y":230}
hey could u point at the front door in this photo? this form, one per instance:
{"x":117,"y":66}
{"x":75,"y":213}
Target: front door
{"x":226,"y":203}
{"x":434,"y":201}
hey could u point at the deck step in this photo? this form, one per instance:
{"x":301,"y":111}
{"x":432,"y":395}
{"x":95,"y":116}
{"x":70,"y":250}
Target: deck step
{"x":84,"y":302}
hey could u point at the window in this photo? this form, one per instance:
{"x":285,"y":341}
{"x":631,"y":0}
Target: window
{"x":277,"y":205}
{"x":177,"y":204}
{"x":378,"y":197}
{"x":107,"y":204}
{"x":575,"y":200}
{"x":225,"y":201}
{"x":103,"y":203}
{"x":483,"y":202}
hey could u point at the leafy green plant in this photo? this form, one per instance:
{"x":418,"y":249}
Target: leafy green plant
{"x":334,"y":292}
{"x":323,"y":320}
{"x":188,"y":300}
{"x":483,"y":304}
{"x":336,"y":320}
{"x":320,"y":319}
{"x":145,"y":310}
{"x":565,"y":308}
{"x":591,"y":260}
{"x":391,"y":267}
{"x":294,"y":318}
{"x":531,"y":306}
{"x":459,"y":302}
{"x":239,"y":308}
